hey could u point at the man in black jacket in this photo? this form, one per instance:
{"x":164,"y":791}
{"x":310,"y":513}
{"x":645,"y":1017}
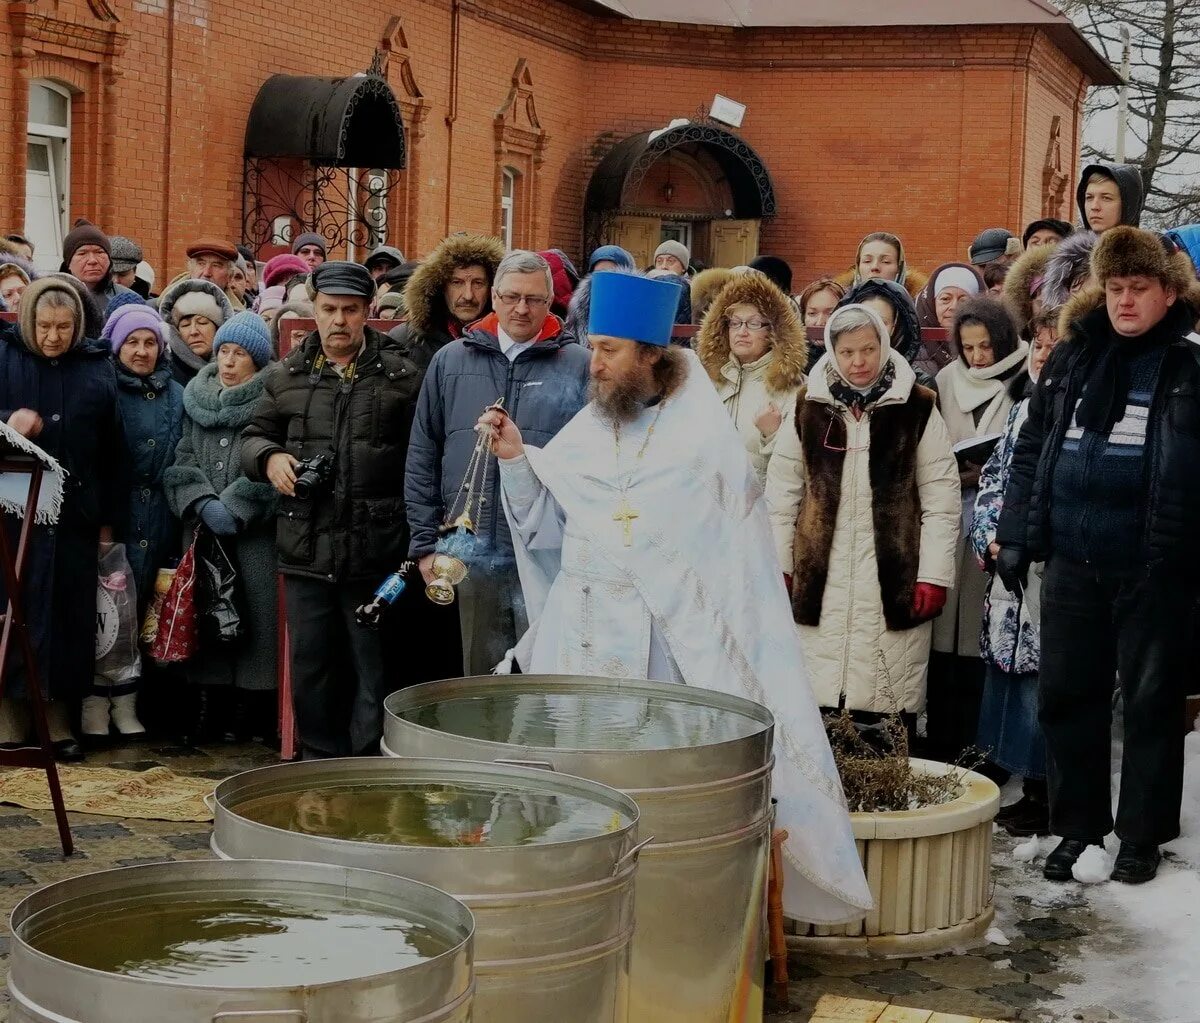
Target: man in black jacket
{"x":1105,"y":488}
{"x":345,"y":396}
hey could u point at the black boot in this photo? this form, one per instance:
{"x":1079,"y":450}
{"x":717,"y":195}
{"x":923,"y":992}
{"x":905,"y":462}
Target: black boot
{"x":1136,"y":864}
{"x":1059,"y":863}
{"x":1025,"y":818}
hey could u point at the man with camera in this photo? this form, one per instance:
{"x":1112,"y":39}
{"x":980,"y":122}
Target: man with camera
{"x":330,"y":434}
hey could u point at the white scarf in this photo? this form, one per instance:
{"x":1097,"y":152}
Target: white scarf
{"x":974,"y":387}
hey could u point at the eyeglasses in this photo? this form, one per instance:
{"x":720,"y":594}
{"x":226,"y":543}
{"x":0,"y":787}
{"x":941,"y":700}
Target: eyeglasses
{"x":532,"y":301}
{"x":835,"y":447}
{"x":754,"y":325}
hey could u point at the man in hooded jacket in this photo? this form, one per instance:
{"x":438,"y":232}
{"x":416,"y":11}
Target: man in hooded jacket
{"x":449,"y":290}
{"x":1110,"y":194}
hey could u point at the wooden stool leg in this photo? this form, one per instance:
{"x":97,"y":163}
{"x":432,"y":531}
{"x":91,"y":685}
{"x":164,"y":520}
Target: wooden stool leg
{"x":777,"y":939}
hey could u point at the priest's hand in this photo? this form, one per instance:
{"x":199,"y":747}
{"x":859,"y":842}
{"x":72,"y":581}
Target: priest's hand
{"x":504,"y":438}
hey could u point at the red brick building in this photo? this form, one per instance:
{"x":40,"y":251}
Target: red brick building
{"x":160,"y":120}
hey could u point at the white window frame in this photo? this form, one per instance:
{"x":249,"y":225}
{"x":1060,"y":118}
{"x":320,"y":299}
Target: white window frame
{"x":508,"y":195}
{"x":59,"y":138}
{"x":681,"y":231}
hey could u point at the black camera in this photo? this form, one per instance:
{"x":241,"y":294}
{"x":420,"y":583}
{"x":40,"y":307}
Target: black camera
{"x":312,"y":475}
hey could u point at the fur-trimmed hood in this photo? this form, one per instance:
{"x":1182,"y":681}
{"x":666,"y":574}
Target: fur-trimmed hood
{"x":1021,"y":275}
{"x":1069,"y":258}
{"x":424,"y":293}
{"x":705,"y":287}
{"x":790,"y":350}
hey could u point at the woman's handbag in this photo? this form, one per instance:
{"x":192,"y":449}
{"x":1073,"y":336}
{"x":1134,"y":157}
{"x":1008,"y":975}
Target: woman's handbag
{"x":175,"y":639}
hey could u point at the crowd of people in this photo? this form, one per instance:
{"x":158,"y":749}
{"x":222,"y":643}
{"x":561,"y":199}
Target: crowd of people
{"x":979,"y":481}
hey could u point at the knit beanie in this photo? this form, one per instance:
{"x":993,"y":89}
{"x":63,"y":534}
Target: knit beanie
{"x":309,"y":238}
{"x":268,"y":299}
{"x":676,"y":249}
{"x":613,"y":254}
{"x":280,"y":268}
{"x":84,"y":233}
{"x":121,"y":298}
{"x":128,"y":318}
{"x":247,"y":330}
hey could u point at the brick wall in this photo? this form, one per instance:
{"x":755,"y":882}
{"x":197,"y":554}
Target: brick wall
{"x":932,"y":133}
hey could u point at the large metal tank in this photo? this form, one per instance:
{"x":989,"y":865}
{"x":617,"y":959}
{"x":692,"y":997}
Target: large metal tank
{"x":546,"y":863}
{"x":240,"y":942}
{"x":697,"y":762}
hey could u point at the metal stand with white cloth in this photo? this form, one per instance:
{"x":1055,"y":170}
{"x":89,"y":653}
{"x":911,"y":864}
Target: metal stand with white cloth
{"x":20,"y":458}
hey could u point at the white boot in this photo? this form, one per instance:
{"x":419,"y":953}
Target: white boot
{"x":95,"y":717}
{"x":124,"y":715}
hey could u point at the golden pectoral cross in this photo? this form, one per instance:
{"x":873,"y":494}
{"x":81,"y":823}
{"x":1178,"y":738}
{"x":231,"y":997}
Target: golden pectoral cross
{"x":625,"y":515}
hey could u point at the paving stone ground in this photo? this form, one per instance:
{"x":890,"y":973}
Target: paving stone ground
{"x":1013,"y":982}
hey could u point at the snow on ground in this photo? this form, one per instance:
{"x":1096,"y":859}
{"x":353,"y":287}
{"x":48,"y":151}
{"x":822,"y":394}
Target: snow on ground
{"x":1142,"y":960}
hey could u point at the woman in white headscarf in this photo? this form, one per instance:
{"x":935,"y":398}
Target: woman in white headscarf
{"x":863,"y":495}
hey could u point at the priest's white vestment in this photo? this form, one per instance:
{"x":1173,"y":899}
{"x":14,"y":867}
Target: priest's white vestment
{"x":652,"y":557}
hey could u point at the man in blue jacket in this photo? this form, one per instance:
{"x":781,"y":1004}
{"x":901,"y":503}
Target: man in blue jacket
{"x":517,"y":353}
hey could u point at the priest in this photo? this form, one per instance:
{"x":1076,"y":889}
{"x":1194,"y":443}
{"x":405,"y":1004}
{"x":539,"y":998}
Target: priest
{"x":644,"y":551}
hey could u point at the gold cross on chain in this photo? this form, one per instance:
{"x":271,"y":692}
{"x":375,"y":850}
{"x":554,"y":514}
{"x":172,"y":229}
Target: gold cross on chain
{"x":625,"y":515}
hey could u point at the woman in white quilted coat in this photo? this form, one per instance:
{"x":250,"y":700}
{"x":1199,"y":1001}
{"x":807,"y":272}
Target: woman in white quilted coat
{"x":863,"y":493}
{"x":754,"y":349}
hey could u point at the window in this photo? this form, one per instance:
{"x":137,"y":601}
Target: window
{"x":508,"y":191}
{"x":677,"y":231}
{"x":47,"y":171}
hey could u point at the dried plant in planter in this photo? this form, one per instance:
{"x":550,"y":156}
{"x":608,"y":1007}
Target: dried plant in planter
{"x":876,"y":773}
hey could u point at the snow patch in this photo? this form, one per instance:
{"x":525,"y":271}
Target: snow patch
{"x":995,"y":936}
{"x":1093,"y":866}
{"x":1002,"y":964}
{"x":1033,"y":849}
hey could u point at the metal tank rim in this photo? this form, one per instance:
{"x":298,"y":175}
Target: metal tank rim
{"x":107,"y":881}
{"x":544,"y":778}
{"x":415,"y":696}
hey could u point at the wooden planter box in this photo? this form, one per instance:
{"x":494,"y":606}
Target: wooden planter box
{"x":929,"y":872}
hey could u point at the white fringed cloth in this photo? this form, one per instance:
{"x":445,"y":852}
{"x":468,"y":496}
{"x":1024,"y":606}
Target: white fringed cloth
{"x":14,"y":486}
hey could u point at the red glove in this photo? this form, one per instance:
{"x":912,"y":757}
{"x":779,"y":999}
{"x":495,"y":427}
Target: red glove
{"x":928,"y":600}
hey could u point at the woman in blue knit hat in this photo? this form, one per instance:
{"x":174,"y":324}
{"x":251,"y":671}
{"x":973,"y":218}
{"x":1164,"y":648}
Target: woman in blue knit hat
{"x":205,"y":486}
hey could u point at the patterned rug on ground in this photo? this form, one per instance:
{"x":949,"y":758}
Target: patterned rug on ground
{"x":155,"y":795}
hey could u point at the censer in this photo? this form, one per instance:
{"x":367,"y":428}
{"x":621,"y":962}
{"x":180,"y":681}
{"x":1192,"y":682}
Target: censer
{"x":458,"y":531}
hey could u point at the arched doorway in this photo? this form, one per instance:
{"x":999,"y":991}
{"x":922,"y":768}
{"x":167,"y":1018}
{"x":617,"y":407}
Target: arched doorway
{"x":323,"y":155}
{"x":695,"y":183}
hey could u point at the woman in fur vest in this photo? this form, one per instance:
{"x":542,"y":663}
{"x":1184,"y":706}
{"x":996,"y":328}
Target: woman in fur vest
{"x":753,"y":347}
{"x":863,"y":495}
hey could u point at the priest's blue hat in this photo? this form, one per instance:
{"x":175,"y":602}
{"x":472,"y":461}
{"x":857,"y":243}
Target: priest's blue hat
{"x":635,"y":307}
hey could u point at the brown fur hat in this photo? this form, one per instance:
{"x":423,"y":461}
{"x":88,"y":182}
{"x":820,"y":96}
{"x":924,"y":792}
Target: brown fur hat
{"x":706,"y":286}
{"x":1021,"y":275}
{"x":425,"y":292}
{"x":790,"y":347}
{"x":1133,"y":252}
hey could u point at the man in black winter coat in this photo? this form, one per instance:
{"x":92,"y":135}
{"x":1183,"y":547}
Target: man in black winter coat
{"x":1105,"y":489}
{"x":345,"y":396}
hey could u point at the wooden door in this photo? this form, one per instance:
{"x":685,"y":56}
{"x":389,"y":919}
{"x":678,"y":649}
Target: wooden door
{"x":639,"y":236}
{"x":734,"y":242}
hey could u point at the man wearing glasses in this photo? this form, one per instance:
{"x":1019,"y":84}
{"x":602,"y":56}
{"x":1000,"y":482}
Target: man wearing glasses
{"x":516,"y":353}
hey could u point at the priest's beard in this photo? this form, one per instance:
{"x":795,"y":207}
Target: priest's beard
{"x":621,"y":400}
